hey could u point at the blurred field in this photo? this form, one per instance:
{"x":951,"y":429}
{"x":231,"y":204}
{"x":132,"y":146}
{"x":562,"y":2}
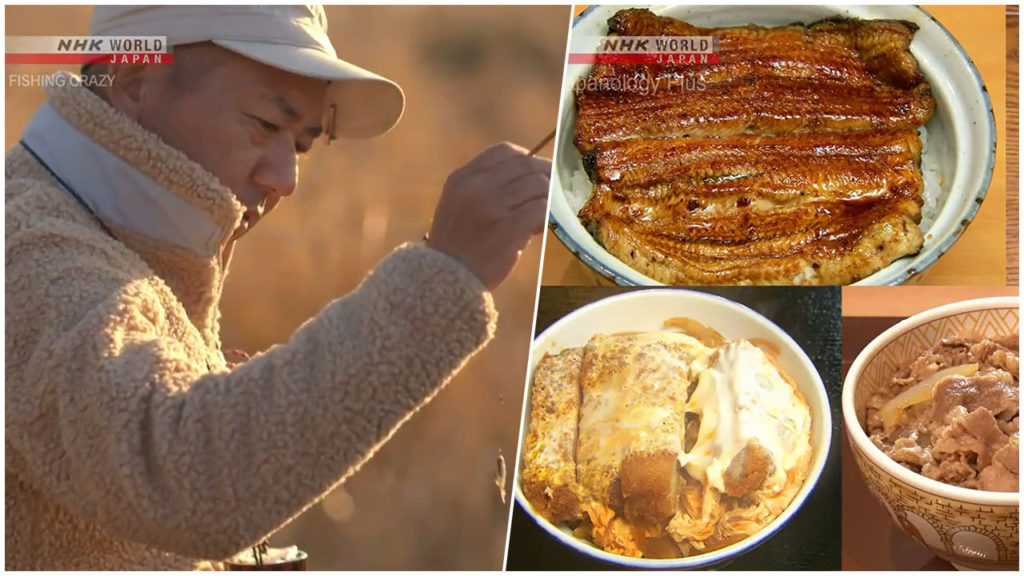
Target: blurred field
{"x":473,"y":76}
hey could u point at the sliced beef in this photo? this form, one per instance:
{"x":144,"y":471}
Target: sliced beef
{"x":997,"y":355}
{"x":908,"y":451}
{"x":1009,"y":457}
{"x":982,"y":425}
{"x":994,"y":390}
{"x":948,"y":352}
{"x":955,"y":469}
{"x":1010,"y":341}
{"x":976,"y":436}
{"x":1003,"y":474}
{"x":963,"y":435}
{"x":1010,"y":428}
{"x":1006,"y":360}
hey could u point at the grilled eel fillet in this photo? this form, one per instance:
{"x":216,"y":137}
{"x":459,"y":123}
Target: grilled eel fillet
{"x":758,"y":210}
{"x":798,"y":161}
{"x":830,"y":75}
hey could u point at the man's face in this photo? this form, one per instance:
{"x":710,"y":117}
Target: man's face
{"x":244,"y":122}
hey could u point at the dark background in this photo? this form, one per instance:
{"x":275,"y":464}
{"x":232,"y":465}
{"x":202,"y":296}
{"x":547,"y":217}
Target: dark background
{"x":811,"y":539}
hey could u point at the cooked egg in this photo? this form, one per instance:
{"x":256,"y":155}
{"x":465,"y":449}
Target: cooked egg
{"x":743,"y":398}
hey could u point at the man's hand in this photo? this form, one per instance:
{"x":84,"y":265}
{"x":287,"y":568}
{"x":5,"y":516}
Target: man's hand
{"x":234,"y":357}
{"x":489,"y":210}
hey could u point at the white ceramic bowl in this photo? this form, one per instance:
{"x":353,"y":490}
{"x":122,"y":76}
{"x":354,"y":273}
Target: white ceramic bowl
{"x":647,"y":310}
{"x":970,"y":528}
{"x":961,"y":133}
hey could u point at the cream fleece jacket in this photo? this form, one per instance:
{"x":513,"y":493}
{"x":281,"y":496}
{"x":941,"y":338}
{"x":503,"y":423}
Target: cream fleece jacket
{"x":130,"y":444}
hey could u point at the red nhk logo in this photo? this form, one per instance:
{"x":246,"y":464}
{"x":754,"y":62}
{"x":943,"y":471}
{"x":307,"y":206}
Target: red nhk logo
{"x":87,"y":50}
{"x":661,"y":50}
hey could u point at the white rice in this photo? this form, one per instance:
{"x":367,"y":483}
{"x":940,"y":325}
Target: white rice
{"x":931,"y":172}
{"x":579,"y":187}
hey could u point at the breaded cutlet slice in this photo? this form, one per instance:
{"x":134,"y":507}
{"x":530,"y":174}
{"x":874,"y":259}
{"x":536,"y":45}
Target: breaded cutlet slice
{"x":549,"y":464}
{"x":634,"y":388}
{"x":748,"y":470}
{"x":650,"y":486}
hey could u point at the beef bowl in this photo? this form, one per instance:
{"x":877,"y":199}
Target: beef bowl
{"x":931,"y":408}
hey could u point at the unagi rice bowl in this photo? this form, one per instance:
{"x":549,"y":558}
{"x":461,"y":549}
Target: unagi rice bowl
{"x":696,"y":190}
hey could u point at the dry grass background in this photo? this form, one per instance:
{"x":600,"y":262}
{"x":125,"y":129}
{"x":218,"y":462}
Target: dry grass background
{"x":473,"y":76}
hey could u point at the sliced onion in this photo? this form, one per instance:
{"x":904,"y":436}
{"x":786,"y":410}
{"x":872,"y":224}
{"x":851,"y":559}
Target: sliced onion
{"x":920,"y":392}
{"x":707,"y":336}
{"x":767,"y":346}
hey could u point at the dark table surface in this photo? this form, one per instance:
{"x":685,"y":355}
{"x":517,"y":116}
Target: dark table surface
{"x":811,"y":539}
{"x":870,"y":540}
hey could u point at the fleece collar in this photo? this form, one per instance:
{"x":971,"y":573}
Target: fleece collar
{"x":127,"y":176}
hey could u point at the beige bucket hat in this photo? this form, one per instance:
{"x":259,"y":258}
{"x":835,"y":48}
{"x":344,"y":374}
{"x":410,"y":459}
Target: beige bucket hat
{"x":290,"y":38}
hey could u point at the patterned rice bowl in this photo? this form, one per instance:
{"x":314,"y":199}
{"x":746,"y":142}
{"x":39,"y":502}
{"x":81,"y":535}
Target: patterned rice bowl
{"x":973,"y":529}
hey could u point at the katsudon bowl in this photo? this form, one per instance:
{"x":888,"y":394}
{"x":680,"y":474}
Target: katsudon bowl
{"x":959,"y":139}
{"x":647,"y":310}
{"x":973,"y":529}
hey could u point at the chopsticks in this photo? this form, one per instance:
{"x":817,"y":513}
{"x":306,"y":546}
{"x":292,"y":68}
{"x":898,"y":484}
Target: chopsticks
{"x":540,"y":146}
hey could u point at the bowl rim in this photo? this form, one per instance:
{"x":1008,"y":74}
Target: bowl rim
{"x":936,"y":251}
{"x":862,"y":442}
{"x":972,"y":210}
{"x":814,"y":473}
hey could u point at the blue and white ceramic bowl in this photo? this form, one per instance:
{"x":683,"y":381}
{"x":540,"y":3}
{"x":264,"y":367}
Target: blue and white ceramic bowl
{"x":960,"y":141}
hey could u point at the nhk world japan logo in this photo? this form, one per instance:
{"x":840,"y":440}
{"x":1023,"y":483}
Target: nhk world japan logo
{"x":87,"y":50}
{"x":663,"y":50}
